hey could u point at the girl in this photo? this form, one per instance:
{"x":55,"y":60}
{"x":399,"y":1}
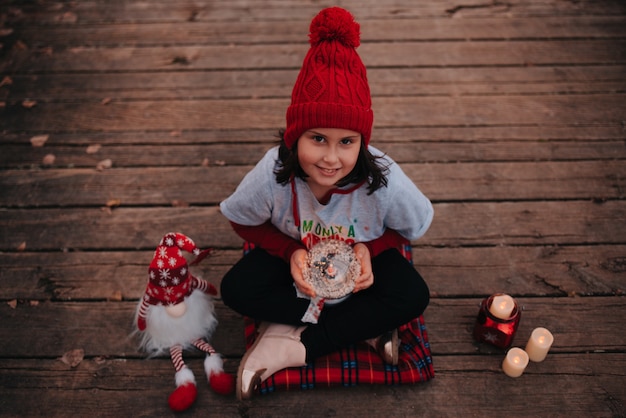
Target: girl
{"x":324,"y":181}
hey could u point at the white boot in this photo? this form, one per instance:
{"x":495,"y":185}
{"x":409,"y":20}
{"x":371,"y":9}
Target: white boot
{"x":277,"y":347}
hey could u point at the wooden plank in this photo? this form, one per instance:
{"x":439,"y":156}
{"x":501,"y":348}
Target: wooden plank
{"x":128,"y":156}
{"x":602,"y":179}
{"x":502,"y":151}
{"x":519,"y":181}
{"x":523,"y":271}
{"x":197,"y":11}
{"x":147,"y":185}
{"x":558,"y":135}
{"x":289,"y":56}
{"x":450,"y":272}
{"x":99,"y":328}
{"x":455,"y":224}
{"x":132,"y":156}
{"x":278,"y":83}
{"x":294,"y":31}
{"x":527,"y":223}
{"x":571,"y":384}
{"x":103,"y":328}
{"x":180,"y":115}
{"x":112,"y":275}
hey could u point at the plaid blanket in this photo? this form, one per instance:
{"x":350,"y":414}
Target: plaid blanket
{"x":358,"y":364}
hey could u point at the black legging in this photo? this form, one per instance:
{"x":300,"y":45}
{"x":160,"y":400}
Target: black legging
{"x":260,"y":286}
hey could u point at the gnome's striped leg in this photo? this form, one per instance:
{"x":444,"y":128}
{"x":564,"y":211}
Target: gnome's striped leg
{"x":176,"y":353}
{"x":185,"y":394}
{"x":213,"y":362}
{"x":204,"y":346}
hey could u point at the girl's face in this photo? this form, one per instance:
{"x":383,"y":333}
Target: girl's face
{"x":327,"y":155}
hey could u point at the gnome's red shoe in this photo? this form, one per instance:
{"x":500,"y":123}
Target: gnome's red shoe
{"x":185,"y":394}
{"x":220,"y":381}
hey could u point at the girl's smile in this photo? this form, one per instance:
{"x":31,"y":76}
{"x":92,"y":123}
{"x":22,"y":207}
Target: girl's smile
{"x":328,"y":171}
{"x":327,"y":155}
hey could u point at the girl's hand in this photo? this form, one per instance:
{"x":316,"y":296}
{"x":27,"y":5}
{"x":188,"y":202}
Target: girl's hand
{"x":297,"y":263}
{"x":366,"y":279}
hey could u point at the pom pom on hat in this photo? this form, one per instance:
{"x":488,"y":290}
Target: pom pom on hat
{"x":335,"y":24}
{"x":331,"y":90}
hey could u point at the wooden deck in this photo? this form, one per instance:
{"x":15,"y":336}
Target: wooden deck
{"x":510,"y":116}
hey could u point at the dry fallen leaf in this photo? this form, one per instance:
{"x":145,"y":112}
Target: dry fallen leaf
{"x":22,"y":246}
{"x":175,"y":133}
{"x":106,"y":101}
{"x":12,"y":303}
{"x":205,"y":162}
{"x":6,"y":81}
{"x":104,"y":164}
{"x":39,"y":140}
{"x":99,"y":360}
{"x":29,"y":103}
{"x":67,"y":17}
{"x":92,"y":149}
{"x":49,"y":159}
{"x":20,"y":46}
{"x":33,"y":303}
{"x":73,"y":357}
{"x":116,"y":296}
{"x":220,"y":163}
{"x":179,"y":204}
{"x":111,"y":203}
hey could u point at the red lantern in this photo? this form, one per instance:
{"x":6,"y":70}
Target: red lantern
{"x":494,"y":330}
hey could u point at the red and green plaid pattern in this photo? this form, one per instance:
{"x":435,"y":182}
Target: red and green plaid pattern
{"x":358,"y":364}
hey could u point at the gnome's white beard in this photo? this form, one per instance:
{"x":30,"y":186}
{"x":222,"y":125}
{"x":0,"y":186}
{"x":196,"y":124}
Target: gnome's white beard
{"x":164,"y":331}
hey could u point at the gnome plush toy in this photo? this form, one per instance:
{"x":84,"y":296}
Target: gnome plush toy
{"x":176,"y":313}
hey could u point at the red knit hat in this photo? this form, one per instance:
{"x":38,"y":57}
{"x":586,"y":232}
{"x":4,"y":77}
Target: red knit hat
{"x":331,"y":90}
{"x":169,"y":278}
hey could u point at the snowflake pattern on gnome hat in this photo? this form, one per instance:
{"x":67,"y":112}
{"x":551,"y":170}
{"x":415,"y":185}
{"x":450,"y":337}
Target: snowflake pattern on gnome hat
{"x":169,"y":278}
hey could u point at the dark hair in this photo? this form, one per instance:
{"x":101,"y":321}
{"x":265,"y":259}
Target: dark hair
{"x":368,"y":167}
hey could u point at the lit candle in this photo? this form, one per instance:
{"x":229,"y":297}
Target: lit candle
{"x":515,"y":362}
{"x":539,"y":344}
{"x":502,"y":306}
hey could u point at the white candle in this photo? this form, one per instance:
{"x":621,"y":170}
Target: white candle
{"x":515,"y":362}
{"x":539,"y":344}
{"x":502,"y":306}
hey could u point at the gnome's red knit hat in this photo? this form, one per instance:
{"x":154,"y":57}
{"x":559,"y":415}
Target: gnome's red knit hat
{"x":169,"y":278}
{"x":331,"y":90}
